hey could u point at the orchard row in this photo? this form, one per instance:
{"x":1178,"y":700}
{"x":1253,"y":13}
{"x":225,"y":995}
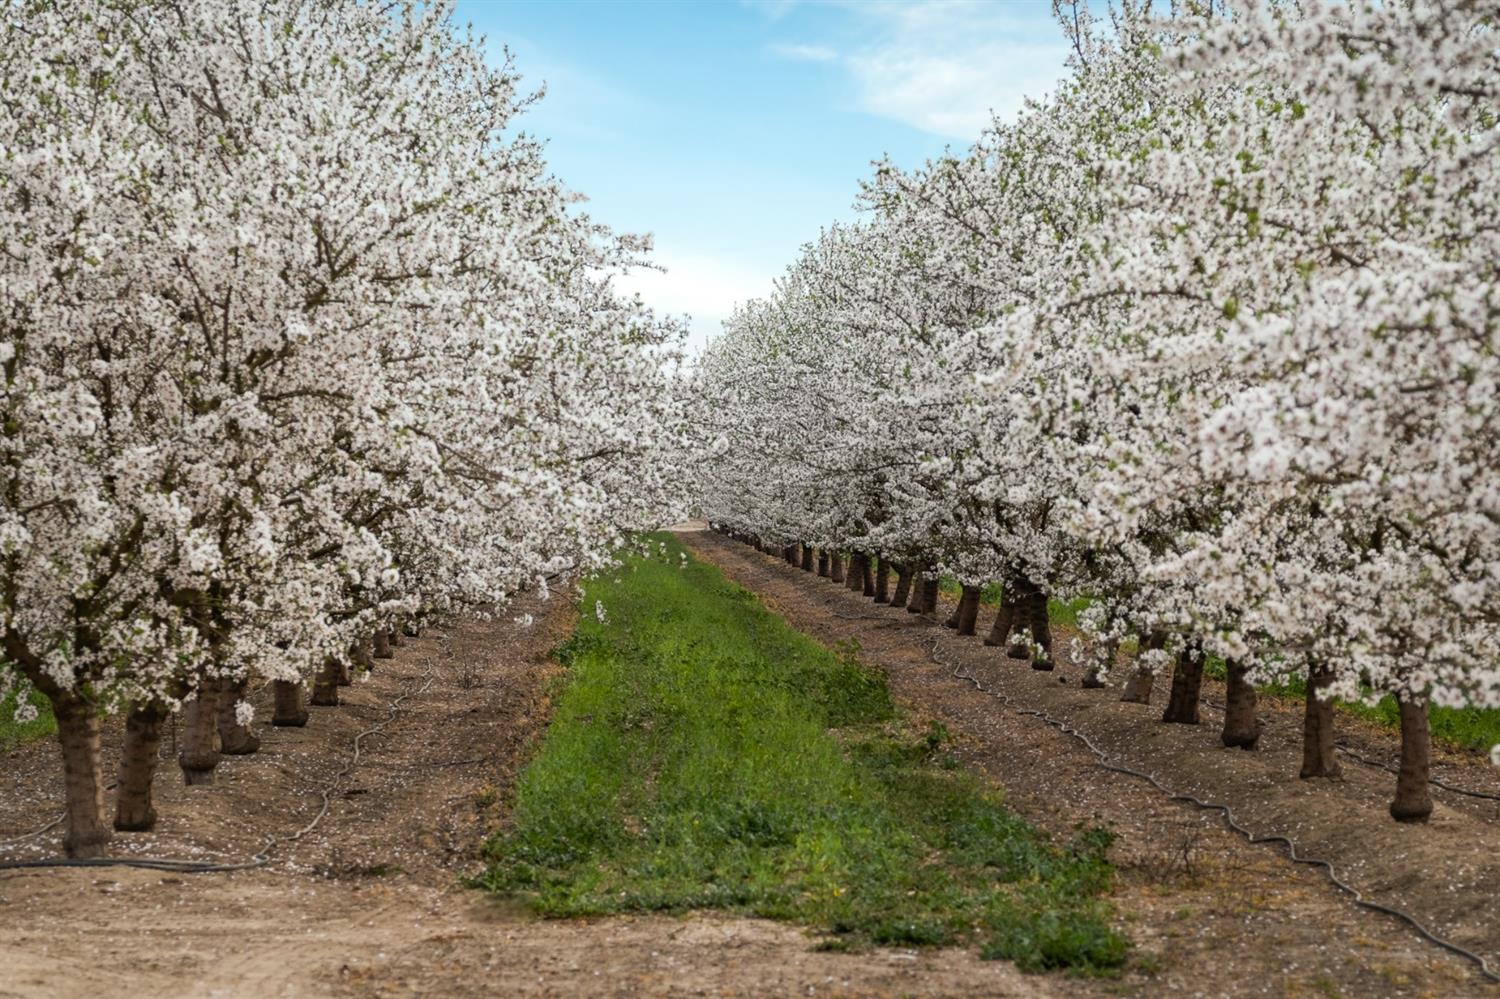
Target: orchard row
{"x":1209,"y":336}
{"x":301,"y":344}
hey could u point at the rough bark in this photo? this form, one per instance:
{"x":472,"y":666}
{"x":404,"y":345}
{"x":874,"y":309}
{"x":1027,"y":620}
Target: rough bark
{"x":362,"y":656}
{"x":199,"y":754}
{"x":929,"y":596}
{"x":968,"y":610}
{"x":290,"y":704}
{"x":867,"y":576}
{"x":1138,"y":687}
{"x":883,"y":582}
{"x":78,"y":736}
{"x":1318,"y":759}
{"x":807,"y":558}
{"x":1041,"y":633}
{"x":1241,"y":727}
{"x":234,"y":739}
{"x":325,"y":693}
{"x":1187,"y":681}
{"x":823,"y":567}
{"x":1094,"y":678}
{"x":1005,"y":619}
{"x":134,"y":811}
{"x":903,"y":587}
{"x":918,"y":585}
{"x":836,"y":567}
{"x":1020,"y":596}
{"x":855,"y":577}
{"x":397,"y":639}
{"x":382,"y":640}
{"x":1413,"y":801}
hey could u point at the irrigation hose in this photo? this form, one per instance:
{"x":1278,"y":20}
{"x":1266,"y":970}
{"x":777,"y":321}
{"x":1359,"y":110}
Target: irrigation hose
{"x":260,"y":859}
{"x":1104,"y":762}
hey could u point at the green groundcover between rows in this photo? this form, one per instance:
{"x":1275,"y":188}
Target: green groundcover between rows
{"x":705,"y":755}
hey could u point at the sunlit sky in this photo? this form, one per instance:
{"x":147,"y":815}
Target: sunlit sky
{"x":732,"y":132}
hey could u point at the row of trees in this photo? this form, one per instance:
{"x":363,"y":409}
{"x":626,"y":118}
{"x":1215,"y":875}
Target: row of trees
{"x":300,"y":342}
{"x":1210,"y":336}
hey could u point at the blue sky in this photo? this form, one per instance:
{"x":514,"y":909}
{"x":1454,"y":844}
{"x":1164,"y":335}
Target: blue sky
{"x":734,"y":131}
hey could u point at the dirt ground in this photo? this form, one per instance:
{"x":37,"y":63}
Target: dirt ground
{"x":368,"y":903}
{"x":1210,"y":913}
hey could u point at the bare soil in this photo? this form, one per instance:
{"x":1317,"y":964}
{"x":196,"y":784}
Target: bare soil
{"x":369,"y":902}
{"x":1211,"y":914}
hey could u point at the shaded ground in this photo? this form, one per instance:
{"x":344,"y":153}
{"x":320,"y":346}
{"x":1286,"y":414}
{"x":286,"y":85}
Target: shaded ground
{"x":368,"y":903}
{"x":1212,"y":914}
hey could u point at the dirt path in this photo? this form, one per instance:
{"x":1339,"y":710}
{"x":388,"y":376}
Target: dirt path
{"x":369,"y":904}
{"x":1212,"y":914}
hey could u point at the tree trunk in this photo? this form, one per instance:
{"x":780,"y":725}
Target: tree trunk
{"x":1413,"y":802}
{"x":361,"y":656}
{"x":234,"y":739}
{"x":951,"y":621}
{"x":1138,"y":687}
{"x":807,"y":558}
{"x":968,"y":610}
{"x":383,"y":648}
{"x":789,"y":553}
{"x":1019,"y":596}
{"x":854,"y":578}
{"x":914,"y":603}
{"x":1041,"y":633}
{"x":397,"y":639}
{"x":903,"y":587}
{"x":78,"y":735}
{"x":200,"y":735}
{"x":1187,"y":680}
{"x":1241,"y":727}
{"x":291,"y":706}
{"x":326,"y":684}
{"x":929,"y":596}
{"x":1318,"y":759}
{"x":1094,"y":678}
{"x":823,"y":563}
{"x":836,"y":567}
{"x":867,"y":576}
{"x":134,"y":811}
{"x":883,"y":582}
{"x":1005,"y":619}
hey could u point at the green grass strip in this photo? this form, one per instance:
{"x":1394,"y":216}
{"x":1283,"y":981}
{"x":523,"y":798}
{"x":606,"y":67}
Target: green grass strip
{"x":705,"y":755}
{"x":14,"y":733}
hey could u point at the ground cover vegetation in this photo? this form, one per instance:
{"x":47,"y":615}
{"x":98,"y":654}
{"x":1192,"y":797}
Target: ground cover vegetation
{"x":705,"y":755}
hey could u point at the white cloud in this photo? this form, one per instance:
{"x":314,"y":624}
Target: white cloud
{"x":946,"y":68}
{"x":806,"y":53}
{"x":707,"y":288}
